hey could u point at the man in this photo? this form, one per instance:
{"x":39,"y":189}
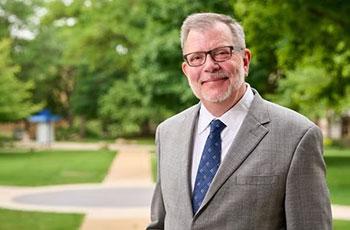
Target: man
{"x":235,"y":161}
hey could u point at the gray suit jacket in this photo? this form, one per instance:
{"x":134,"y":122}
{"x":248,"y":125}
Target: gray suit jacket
{"x":272,"y":178}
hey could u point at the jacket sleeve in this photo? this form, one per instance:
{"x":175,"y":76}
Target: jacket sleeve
{"x":307,"y":204}
{"x":157,"y":206}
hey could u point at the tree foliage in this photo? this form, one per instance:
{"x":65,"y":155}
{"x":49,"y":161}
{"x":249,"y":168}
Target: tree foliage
{"x":302,"y":52}
{"x":15,"y":95}
{"x":120,"y":61}
{"x":155,"y":87}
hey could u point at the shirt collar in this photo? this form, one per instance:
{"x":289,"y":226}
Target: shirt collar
{"x":205,"y":117}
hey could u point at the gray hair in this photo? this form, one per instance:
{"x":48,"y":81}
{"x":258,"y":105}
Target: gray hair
{"x":206,"y":20}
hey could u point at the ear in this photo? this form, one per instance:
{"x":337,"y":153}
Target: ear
{"x":246,"y":60}
{"x":185,"y":67}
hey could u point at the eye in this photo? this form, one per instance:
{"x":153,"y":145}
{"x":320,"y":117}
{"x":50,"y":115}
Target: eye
{"x":221,"y":54}
{"x":196,"y":57}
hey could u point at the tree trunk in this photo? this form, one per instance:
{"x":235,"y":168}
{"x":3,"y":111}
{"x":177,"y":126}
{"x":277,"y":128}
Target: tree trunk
{"x":82,"y":130}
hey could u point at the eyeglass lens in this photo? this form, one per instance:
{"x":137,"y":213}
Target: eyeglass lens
{"x":219,"y":55}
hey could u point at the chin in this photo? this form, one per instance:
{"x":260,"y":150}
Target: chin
{"x":219,"y":97}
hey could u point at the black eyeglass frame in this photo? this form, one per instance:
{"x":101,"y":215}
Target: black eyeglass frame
{"x":210,"y":52}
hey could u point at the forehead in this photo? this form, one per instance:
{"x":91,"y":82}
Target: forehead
{"x":208,"y":38}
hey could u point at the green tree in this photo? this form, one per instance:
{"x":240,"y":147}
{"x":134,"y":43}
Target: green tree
{"x":300,"y":52}
{"x":16,"y":15}
{"x":89,"y":50}
{"x":15,"y":95}
{"x":92,"y":60}
{"x":155,"y":88}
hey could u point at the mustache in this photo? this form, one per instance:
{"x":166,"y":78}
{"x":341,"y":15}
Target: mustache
{"x":215,"y":76}
{"x":218,"y":75}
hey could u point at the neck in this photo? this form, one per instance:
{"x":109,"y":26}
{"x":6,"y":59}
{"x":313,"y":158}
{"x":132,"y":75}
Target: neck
{"x":219,"y":108}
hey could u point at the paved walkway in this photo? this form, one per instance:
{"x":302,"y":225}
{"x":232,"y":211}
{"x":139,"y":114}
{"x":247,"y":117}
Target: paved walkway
{"x":121,"y":202}
{"x":132,"y":167}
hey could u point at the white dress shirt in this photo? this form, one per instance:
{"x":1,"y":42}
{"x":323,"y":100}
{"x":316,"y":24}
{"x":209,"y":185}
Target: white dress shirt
{"x":233,"y":120}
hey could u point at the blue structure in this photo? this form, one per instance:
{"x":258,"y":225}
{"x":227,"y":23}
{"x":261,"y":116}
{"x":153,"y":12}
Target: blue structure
{"x":45,"y":133}
{"x":44,"y":115}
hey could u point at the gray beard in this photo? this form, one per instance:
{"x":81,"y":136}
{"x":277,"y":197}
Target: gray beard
{"x":219,"y":98}
{"x":224,"y":96}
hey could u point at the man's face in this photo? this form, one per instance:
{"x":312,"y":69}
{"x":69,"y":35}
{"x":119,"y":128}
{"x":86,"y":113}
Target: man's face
{"x":216,"y":82}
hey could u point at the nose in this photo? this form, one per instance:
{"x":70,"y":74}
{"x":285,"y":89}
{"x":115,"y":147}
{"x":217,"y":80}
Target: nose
{"x":210,"y":65}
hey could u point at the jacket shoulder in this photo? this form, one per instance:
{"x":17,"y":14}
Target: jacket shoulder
{"x":287,"y":117}
{"x":176,"y":119}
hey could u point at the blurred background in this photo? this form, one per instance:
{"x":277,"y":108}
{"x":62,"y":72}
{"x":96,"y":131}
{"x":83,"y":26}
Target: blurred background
{"x":109,"y":71}
{"x":112,"y":68}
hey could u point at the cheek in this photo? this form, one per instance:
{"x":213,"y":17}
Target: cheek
{"x":237,"y":70}
{"x":193,"y":76}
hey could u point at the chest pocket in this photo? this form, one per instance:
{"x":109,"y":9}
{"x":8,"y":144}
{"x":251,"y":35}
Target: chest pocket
{"x":256,"y":180}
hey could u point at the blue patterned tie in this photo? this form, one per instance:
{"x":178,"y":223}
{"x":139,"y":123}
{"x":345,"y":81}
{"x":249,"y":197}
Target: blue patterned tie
{"x":208,"y":165}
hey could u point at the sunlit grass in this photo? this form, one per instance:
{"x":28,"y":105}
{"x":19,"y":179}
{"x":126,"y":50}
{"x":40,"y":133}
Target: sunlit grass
{"x":54,"y":167}
{"x":13,"y":220}
{"x":341,"y":225}
{"x":338,"y":174}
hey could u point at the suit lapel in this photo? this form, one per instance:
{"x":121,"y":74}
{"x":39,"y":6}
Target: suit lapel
{"x":185,"y":137}
{"x":250,"y":134}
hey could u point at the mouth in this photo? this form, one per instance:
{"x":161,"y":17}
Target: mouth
{"x":217,"y":79}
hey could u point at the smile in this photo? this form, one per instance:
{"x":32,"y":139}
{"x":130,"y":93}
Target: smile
{"x":214,"y":80}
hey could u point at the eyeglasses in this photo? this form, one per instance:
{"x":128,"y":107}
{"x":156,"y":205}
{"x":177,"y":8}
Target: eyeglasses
{"x":219,"y":54}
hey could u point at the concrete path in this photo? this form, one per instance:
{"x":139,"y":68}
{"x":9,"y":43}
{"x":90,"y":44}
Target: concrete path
{"x":341,"y":212}
{"x":114,"y":199}
{"x":131,"y":167}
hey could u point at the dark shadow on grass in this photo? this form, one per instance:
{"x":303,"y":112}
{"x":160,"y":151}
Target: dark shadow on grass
{"x":338,"y":174}
{"x":337,"y":161}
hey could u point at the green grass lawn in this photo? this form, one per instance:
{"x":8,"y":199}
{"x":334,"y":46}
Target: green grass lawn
{"x":338,"y":174}
{"x":13,"y":220}
{"x":341,"y":225}
{"x":53,"y":167}
{"x":154,"y":166}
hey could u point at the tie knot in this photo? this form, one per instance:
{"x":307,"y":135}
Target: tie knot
{"x":216,"y":126}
